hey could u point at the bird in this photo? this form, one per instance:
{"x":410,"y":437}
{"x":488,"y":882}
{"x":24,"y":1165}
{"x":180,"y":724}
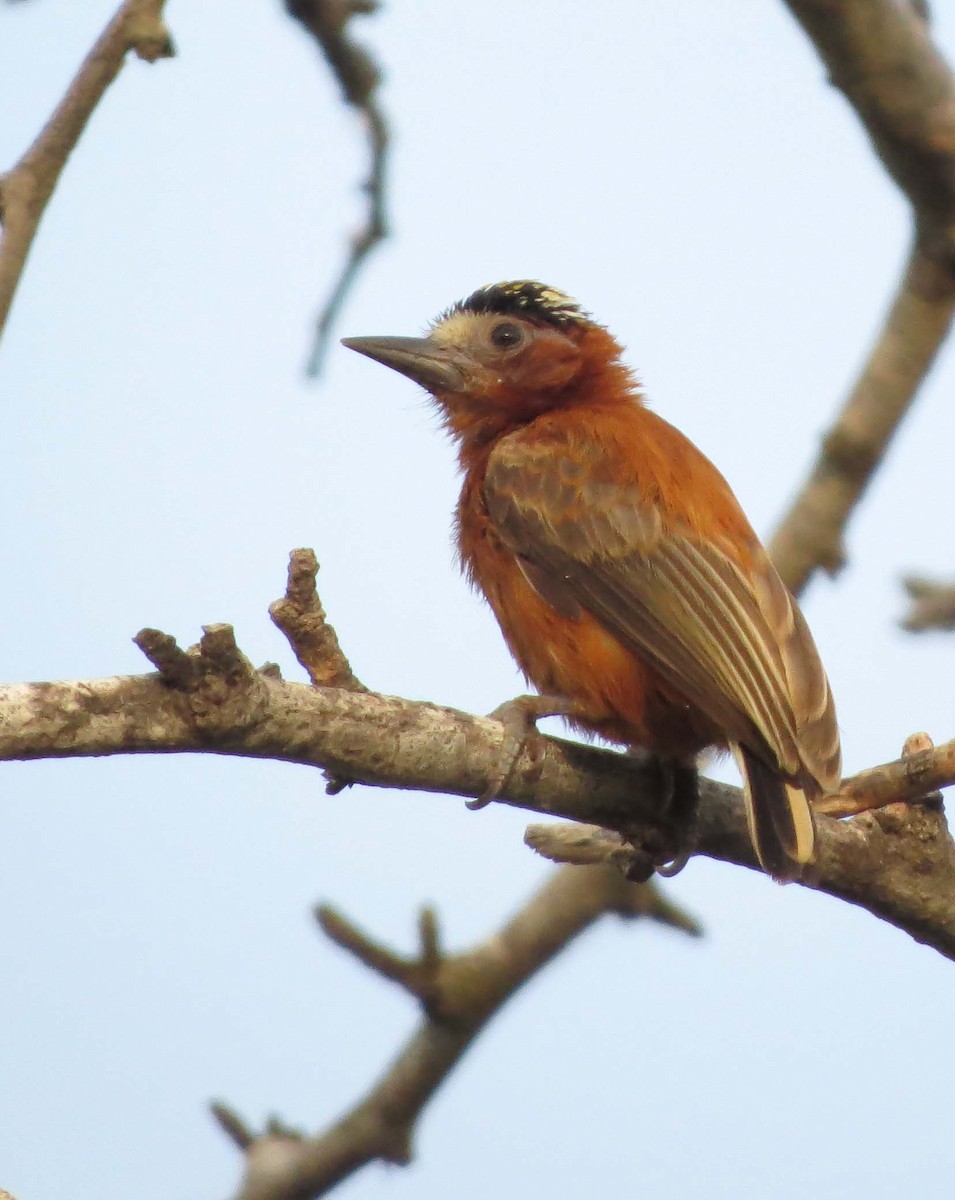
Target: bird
{"x":629,"y":585}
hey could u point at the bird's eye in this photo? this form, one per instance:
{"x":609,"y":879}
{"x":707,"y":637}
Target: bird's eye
{"x":507,"y":335}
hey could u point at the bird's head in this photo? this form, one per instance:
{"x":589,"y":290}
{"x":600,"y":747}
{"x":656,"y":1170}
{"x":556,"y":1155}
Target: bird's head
{"x":503,"y":356}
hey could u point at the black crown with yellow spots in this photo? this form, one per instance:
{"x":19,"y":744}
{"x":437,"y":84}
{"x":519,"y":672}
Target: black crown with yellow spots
{"x":525,"y":298}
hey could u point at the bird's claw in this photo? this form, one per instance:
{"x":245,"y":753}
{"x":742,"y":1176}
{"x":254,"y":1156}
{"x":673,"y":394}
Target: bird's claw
{"x":680,"y":798}
{"x":519,"y":718}
{"x":668,"y":869}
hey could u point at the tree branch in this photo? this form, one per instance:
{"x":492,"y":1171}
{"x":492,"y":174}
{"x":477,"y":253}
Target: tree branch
{"x":211,"y":699}
{"x":463,"y":993}
{"x":26,"y":189}
{"x":811,"y":534}
{"x":358,"y":75}
{"x":901,"y":834}
{"x":880,"y":55}
{"x":933,"y":605}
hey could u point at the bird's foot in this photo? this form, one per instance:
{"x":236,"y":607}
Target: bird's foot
{"x":671,"y":849}
{"x":519,"y":718}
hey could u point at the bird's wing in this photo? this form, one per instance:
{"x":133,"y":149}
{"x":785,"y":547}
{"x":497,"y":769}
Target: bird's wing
{"x":736,"y":646}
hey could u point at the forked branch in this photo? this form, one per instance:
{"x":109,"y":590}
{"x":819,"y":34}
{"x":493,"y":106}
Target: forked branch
{"x":460,"y":994}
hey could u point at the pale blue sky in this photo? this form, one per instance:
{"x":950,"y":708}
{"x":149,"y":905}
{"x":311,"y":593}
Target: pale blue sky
{"x":686,"y":172}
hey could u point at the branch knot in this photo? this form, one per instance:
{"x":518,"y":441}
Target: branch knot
{"x":225,"y":694}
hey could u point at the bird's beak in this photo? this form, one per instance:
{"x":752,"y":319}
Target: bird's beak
{"x":437,"y":368}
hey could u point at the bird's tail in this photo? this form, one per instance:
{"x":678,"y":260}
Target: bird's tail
{"x":779,"y":817}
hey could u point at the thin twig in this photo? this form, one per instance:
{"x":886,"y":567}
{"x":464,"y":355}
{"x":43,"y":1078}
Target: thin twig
{"x":916,"y":776}
{"x":27,"y":187}
{"x":357,"y":73}
{"x":232,"y":1125}
{"x":377,"y":957}
{"x":933,"y":605}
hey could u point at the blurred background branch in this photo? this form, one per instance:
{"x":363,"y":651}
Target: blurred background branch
{"x":459,"y":994}
{"x":933,"y":605}
{"x":26,"y":188}
{"x":328,"y":21}
{"x":880,"y":54}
